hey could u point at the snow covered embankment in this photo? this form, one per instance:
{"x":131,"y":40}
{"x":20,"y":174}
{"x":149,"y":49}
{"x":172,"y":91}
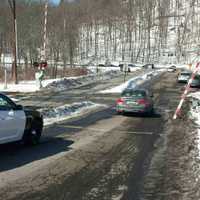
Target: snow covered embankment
{"x":59,"y":83}
{"x":69,"y":83}
{"x":61,"y":113}
{"x":195,"y":115}
{"x":134,"y":82}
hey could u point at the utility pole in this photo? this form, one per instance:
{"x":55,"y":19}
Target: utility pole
{"x":43,"y":54}
{"x":43,"y":57}
{"x":12,"y":4}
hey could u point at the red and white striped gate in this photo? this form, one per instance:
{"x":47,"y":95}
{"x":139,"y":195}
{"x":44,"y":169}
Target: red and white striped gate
{"x":178,"y":110}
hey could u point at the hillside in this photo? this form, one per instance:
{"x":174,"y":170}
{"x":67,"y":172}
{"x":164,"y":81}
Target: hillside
{"x":95,"y":31}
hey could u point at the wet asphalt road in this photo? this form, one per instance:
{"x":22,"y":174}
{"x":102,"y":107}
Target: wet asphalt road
{"x":117,"y":164}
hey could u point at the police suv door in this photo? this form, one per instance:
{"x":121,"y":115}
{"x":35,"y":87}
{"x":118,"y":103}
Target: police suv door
{"x":12,"y":121}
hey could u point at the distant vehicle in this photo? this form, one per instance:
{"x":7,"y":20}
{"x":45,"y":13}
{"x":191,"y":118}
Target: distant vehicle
{"x":131,"y":67}
{"x":135,"y":101}
{"x":172,"y":68}
{"x":101,"y":65}
{"x":124,"y":68}
{"x":127,"y":67}
{"x":184,"y":76}
{"x":195,"y":82}
{"x":112,"y":65}
{"x":121,"y":67}
{"x":148,"y":66}
{"x":18,"y":123}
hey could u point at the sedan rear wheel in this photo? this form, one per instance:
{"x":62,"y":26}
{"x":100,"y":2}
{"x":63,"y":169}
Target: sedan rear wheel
{"x":150,"y":112}
{"x":120,"y":112}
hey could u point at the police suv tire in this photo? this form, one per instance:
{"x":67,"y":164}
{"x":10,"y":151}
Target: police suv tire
{"x":32,"y":137}
{"x":120,"y":112}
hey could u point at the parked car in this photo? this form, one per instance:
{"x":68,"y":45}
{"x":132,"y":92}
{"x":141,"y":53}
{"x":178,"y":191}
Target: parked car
{"x":101,"y":65}
{"x":124,"y":68}
{"x":184,"y":76}
{"x":121,"y":67}
{"x":172,"y":68}
{"x":135,"y":101}
{"x":112,"y":65}
{"x":148,"y":66}
{"x":127,"y":67}
{"x":18,"y":123}
{"x":195,"y":82}
{"x":131,"y":67}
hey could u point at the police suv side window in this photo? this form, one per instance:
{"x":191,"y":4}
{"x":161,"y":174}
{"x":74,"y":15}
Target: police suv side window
{"x":5,"y":104}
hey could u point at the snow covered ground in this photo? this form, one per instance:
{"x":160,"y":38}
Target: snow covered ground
{"x":104,"y":73}
{"x":115,"y":68}
{"x":66,"y":83}
{"x":58,"y":114}
{"x":25,"y":86}
{"x":103,"y":69}
{"x":178,"y":66}
{"x":134,"y":82}
{"x":59,"y":83}
{"x":61,"y":113}
{"x":195,"y":114}
{"x":69,"y":82}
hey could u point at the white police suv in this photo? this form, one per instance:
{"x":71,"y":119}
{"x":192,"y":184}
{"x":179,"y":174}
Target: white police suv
{"x":18,"y":123}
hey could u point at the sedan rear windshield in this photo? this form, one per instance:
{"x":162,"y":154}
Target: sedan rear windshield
{"x":134,"y":93}
{"x":185,"y":74}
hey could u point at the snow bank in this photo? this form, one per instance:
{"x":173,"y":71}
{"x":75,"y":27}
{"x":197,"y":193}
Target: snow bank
{"x":59,"y":83}
{"x":178,"y":66}
{"x":195,"y":114}
{"x":27,"y":86}
{"x":66,"y":83}
{"x":24,"y":86}
{"x":103,"y":69}
{"x":58,"y":114}
{"x":195,"y":107}
{"x":134,"y":82}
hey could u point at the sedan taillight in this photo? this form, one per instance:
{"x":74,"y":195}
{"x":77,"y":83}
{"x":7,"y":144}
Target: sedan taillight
{"x":143,"y":102}
{"x":120,"y":101}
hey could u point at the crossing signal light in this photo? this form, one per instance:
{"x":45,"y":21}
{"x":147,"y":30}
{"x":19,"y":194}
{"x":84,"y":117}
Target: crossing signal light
{"x":43,"y":64}
{"x":35,"y":64}
{"x":40,"y":65}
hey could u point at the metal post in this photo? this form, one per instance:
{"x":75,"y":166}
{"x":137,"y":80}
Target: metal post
{"x":5,"y":71}
{"x":15,"y":78}
{"x":12,"y":4}
{"x":16,"y":41}
{"x":39,"y":75}
{"x":5,"y":78}
{"x":43,"y":56}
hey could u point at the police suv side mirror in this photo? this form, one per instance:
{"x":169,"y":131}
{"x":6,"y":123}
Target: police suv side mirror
{"x":19,"y":107}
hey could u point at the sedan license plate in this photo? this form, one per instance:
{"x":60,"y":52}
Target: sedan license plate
{"x":132,"y":103}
